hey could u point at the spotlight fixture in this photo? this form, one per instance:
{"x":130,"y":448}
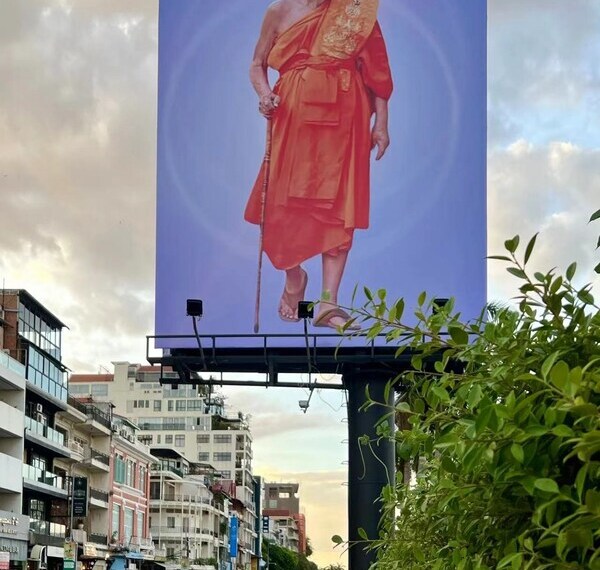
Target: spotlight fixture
{"x":306,"y":309}
{"x":303,"y":405}
{"x":194,"y":308}
{"x":439,"y":303}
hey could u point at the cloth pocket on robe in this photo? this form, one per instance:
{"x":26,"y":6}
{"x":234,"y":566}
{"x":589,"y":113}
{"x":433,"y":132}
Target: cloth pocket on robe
{"x":319,"y":97}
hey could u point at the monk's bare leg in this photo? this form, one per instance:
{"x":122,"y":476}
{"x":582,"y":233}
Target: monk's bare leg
{"x":333,"y":270}
{"x":293,"y":293}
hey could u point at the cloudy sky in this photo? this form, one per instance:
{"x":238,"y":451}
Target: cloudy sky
{"x":77,"y":190}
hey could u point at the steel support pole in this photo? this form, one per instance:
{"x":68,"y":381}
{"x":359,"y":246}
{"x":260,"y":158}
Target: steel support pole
{"x":370,"y":469}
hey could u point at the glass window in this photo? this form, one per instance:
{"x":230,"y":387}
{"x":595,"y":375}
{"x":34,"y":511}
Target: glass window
{"x":116,"y":522}
{"x":203,"y":456}
{"x":79,"y":389}
{"x":157,"y":405}
{"x":202,"y":438}
{"x":180,"y":405}
{"x":99,"y":389}
{"x":128,"y":524}
{"x":170,"y":405}
{"x":180,"y":441}
{"x":222,"y":438}
{"x":195,"y":405}
{"x":221,"y":456}
{"x":141,"y":532}
{"x":37,"y":510}
{"x":168,"y":439}
{"x":170,"y":522}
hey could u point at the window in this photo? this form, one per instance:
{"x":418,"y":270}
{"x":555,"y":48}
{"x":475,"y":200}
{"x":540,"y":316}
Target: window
{"x":141,"y":531}
{"x":79,"y":389}
{"x":202,"y":438}
{"x":99,"y":389}
{"x":221,"y":456}
{"x":195,"y":405}
{"x":180,"y":441}
{"x":37,"y":510}
{"x":180,"y":405}
{"x":145,"y":439}
{"x":170,"y":522}
{"x":130,"y":473}
{"x":140,"y":404}
{"x":116,"y":522}
{"x":155,"y":490}
{"x":158,"y":438}
{"x":128,"y":524}
{"x":142,"y":478}
{"x":170,"y":405}
{"x":168,"y":439}
{"x":157,"y":405}
{"x":186,"y":524}
{"x":225,"y":474}
{"x":203,"y":456}
{"x":222,"y":438}
{"x":119,"y":469}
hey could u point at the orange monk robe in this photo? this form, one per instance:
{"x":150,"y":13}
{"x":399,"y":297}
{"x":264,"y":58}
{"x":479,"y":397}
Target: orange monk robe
{"x":319,"y":175}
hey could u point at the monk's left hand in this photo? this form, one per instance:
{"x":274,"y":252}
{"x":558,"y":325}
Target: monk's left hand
{"x":380,"y":139}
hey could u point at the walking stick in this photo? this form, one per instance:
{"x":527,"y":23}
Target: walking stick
{"x":263,"y":202}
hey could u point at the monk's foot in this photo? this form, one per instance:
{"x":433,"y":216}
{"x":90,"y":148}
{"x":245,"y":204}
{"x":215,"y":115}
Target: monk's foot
{"x":331,"y":316}
{"x":293,"y":293}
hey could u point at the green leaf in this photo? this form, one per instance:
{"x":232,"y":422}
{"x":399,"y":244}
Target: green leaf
{"x":422,"y":298}
{"x":440,"y":393}
{"x":548,"y":363}
{"x":529,"y":248}
{"x":563,"y":431}
{"x":570,"y":273}
{"x":458,"y":335}
{"x":509,"y":559}
{"x":597,"y":268}
{"x":559,"y":375}
{"x":512,"y":244}
{"x":475,"y":395}
{"x":362,"y":533}
{"x":403,"y":407}
{"x":500,"y":258}
{"x":517,"y":272}
{"x":517,"y":452}
{"x":368,"y":293}
{"x":546,"y":485}
{"x":595,"y":216}
{"x":337,"y":539}
{"x":592,"y":501}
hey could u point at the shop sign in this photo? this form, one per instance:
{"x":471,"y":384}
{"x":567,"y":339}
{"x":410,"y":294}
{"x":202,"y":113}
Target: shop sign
{"x":13,"y":526}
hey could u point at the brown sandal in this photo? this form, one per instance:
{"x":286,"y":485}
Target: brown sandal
{"x":324,"y":320}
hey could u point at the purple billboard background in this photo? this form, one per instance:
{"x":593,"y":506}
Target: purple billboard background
{"x":428,"y":200}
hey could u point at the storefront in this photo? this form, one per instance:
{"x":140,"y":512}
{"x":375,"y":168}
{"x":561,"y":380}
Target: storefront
{"x":14,"y":530}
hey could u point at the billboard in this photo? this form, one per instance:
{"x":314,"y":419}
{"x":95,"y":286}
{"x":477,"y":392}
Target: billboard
{"x":334,"y":217}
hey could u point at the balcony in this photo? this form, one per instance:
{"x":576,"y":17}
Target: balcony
{"x":97,"y":422}
{"x":98,"y":461}
{"x":44,"y":481}
{"x":46,"y":437}
{"x":47,"y":533}
{"x":14,"y":366}
{"x":11,"y":421}
{"x":11,"y":480}
{"x":98,"y":498}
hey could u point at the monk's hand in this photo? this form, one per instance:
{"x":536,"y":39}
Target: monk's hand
{"x":380,"y":139}
{"x":268,"y":103}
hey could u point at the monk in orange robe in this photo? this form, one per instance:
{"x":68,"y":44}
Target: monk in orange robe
{"x":334,"y":75}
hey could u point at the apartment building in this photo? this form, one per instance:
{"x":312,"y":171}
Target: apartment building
{"x":14,"y":527}
{"x":288,"y":524}
{"x":188,"y":520}
{"x":32,"y":336}
{"x":184,"y":418}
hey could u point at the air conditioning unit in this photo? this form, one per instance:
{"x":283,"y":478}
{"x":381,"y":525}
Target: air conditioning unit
{"x":39,"y":408}
{"x":123,"y":433}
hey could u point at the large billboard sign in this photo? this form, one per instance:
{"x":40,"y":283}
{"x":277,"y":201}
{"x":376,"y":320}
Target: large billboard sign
{"x":306,"y":186}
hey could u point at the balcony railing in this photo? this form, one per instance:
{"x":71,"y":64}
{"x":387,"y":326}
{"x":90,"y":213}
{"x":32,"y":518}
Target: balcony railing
{"x":76,"y":447}
{"x":11,"y":363}
{"x":91,"y":411}
{"x":161,"y":467}
{"x":184,"y":499}
{"x":48,"y":528}
{"x":98,"y":538}
{"x":99,"y":456}
{"x":44,"y":431}
{"x":160,"y":530}
{"x":98,"y":494}
{"x":32,"y":473}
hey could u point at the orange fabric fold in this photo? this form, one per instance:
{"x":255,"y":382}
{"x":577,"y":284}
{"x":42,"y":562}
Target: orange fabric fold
{"x":319,"y":174}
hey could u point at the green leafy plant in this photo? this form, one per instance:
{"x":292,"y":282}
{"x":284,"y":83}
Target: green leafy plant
{"x":503,"y":417}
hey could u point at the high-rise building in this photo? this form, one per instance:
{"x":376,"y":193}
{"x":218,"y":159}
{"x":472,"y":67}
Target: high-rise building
{"x":187,"y":419}
{"x":282,"y":506}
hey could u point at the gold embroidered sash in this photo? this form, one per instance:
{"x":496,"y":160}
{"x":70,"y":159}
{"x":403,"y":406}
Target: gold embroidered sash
{"x":345,"y":28}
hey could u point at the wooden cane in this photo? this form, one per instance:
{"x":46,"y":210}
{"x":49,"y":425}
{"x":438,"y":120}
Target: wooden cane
{"x":263,"y":202}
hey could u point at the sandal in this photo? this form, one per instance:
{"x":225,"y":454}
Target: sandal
{"x":325,"y":320}
{"x":292,"y":300}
